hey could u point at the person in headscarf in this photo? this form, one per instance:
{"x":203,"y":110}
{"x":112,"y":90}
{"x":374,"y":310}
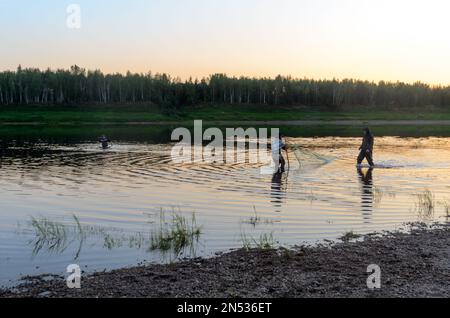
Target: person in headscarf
{"x":277,"y":146}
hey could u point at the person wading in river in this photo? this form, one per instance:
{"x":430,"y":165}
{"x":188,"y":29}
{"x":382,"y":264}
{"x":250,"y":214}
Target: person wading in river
{"x":366,"y":149}
{"x":104,"y":142}
{"x":277,"y":146}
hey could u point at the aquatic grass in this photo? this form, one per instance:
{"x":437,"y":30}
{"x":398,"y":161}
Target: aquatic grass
{"x":425,"y":204}
{"x":447,"y":208}
{"x":177,"y":235}
{"x":265,"y":241}
{"x":81,"y":232}
{"x":57,"y":236}
{"x":47,"y":229}
{"x":133,"y":240}
{"x":246,"y":242}
{"x":48,"y":233}
{"x":378,"y":194}
{"x":256,"y":219}
{"x":446,"y":205}
{"x":136,"y":241}
{"x":349,"y":236}
{"x":110,"y":242}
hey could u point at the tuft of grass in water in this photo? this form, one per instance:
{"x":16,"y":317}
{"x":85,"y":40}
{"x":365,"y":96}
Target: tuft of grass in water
{"x":246,"y":242}
{"x":79,"y":227}
{"x":378,"y":194}
{"x":265,"y":241}
{"x":350,"y":235}
{"x":425,"y":204}
{"x":135,"y":240}
{"x":177,"y":235}
{"x":447,"y":208}
{"x":255,"y":219}
{"x":56,"y":236}
{"x":48,"y":233}
{"x":446,"y":205}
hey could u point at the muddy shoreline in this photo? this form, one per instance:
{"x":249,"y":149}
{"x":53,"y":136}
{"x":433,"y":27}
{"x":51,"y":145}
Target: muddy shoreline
{"x":414,"y":264}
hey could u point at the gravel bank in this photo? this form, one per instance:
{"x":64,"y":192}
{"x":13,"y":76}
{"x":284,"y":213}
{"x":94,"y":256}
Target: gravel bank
{"x":412,"y":265}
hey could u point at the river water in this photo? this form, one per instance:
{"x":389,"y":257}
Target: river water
{"x":70,"y":202}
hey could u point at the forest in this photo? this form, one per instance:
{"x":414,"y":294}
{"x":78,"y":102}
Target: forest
{"x":32,"y":86}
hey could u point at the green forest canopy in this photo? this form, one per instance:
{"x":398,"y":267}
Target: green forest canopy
{"x":32,"y":86}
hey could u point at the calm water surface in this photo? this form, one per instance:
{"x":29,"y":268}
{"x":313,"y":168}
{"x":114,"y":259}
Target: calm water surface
{"x":117,"y":197}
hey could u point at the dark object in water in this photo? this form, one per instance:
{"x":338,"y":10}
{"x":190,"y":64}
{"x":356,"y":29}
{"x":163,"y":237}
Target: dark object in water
{"x":104,"y":142}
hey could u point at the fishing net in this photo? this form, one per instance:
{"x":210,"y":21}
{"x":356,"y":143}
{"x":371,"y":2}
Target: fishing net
{"x":308,"y":158}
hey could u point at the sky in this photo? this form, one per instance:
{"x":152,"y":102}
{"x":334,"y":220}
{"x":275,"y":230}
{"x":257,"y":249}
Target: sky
{"x":406,"y":40}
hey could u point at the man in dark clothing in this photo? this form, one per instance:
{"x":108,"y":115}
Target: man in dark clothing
{"x":104,"y":141}
{"x":366,"y":148}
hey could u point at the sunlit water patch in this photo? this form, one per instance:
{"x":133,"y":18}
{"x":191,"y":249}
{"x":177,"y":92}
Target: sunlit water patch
{"x":64,"y":204}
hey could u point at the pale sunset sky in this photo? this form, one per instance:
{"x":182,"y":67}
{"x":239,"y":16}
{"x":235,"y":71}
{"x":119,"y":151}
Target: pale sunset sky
{"x":406,"y":40}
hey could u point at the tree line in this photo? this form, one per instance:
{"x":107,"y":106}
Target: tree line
{"x":32,"y":86}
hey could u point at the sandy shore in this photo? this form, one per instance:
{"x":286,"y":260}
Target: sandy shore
{"x":412,"y":265}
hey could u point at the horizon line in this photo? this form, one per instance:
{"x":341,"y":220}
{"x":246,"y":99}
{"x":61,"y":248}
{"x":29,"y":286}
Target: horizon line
{"x":251,"y":77}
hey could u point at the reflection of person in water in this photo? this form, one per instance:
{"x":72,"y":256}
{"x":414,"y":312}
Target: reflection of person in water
{"x":277,"y":191}
{"x":366,"y":180}
{"x":366,"y":149}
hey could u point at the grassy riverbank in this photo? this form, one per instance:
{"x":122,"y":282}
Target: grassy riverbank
{"x":412,"y":265}
{"x":149,"y":113}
